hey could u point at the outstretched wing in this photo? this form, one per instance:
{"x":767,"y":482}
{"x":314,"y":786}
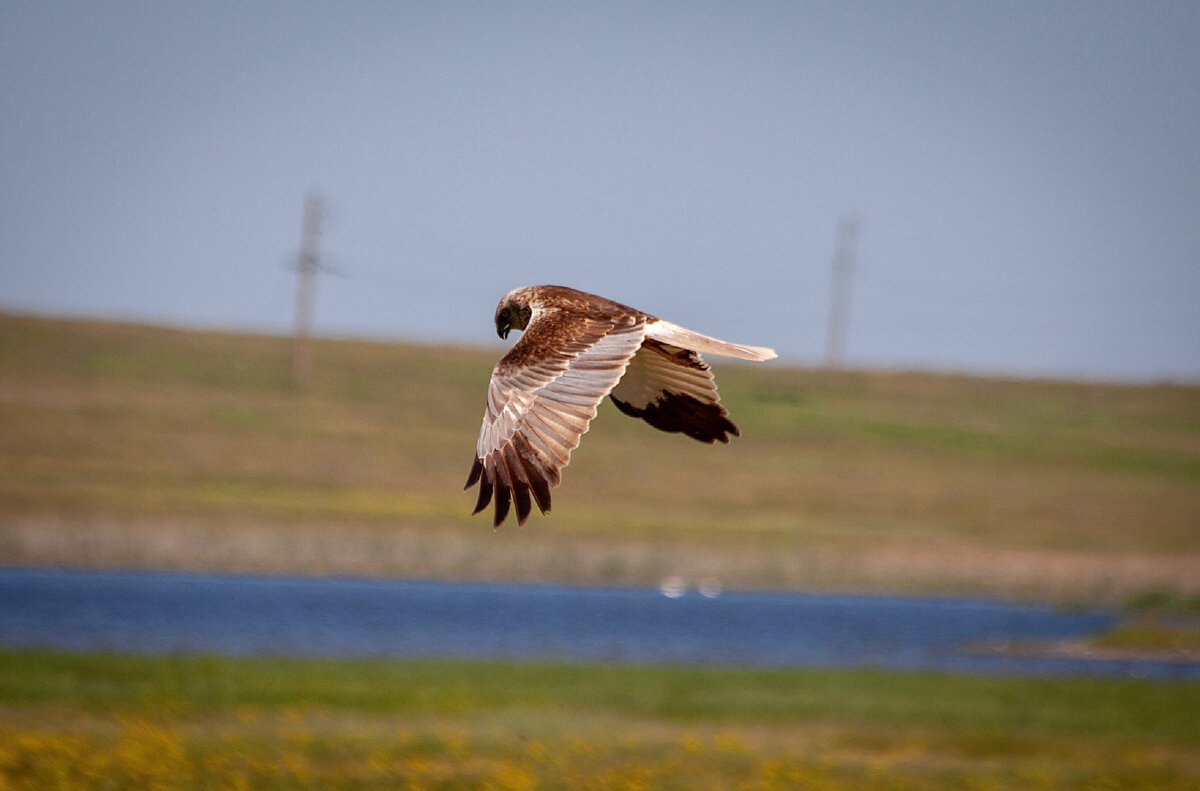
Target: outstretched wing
{"x":673,"y":389}
{"x":541,"y":399}
{"x":683,"y":338}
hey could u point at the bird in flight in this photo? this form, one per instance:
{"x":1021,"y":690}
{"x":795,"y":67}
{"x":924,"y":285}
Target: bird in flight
{"x":577,"y":348}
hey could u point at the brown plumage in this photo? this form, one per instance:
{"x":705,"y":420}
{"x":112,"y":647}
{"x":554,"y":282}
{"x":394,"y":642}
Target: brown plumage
{"x":576,"y":349}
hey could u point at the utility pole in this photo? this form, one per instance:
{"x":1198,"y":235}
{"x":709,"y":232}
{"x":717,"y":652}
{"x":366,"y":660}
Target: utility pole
{"x":306,"y":270}
{"x":839,"y":296}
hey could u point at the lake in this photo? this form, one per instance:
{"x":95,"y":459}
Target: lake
{"x":152,"y":612}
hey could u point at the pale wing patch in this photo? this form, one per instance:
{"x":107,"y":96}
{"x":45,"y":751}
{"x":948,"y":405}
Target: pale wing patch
{"x":672,"y":389}
{"x":656,"y":369}
{"x":674,"y":335}
{"x":538,"y":411}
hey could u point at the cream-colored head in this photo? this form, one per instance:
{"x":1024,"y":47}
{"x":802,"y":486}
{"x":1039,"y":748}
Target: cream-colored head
{"x":515,"y":311}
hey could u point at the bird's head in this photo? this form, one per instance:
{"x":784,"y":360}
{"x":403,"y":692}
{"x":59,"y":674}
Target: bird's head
{"x":513,"y":313}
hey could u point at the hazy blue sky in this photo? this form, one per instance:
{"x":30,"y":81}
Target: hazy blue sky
{"x":1026,"y":175}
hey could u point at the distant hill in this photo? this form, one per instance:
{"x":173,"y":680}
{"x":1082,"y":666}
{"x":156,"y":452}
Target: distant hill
{"x":141,"y":446}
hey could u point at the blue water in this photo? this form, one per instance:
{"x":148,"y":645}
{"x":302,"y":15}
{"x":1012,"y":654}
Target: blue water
{"x":150,"y":612}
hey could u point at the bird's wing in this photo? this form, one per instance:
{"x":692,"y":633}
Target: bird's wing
{"x":673,"y":389}
{"x":674,"y":335}
{"x":541,"y":399}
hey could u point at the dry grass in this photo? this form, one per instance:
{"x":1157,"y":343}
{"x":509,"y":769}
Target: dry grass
{"x":127,"y":445}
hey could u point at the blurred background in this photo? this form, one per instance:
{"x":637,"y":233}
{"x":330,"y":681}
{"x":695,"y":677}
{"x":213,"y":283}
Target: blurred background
{"x":1025,"y":177}
{"x":971,"y":233}
{"x":228,"y":559}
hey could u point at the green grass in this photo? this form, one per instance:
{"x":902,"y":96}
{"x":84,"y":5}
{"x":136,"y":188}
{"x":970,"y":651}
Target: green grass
{"x":1033,"y":707}
{"x":117,"y":721}
{"x":1152,"y":635}
{"x":1161,"y":602}
{"x":135,"y":445}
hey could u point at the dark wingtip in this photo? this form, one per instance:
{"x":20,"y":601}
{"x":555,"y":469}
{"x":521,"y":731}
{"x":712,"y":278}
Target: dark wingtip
{"x":684,"y":413}
{"x":541,"y":494}
{"x":521,"y":494}
{"x":485,"y":497}
{"x":503,"y":497}
{"x":476,"y":471}
{"x":524,"y":490}
{"x":732,"y":431}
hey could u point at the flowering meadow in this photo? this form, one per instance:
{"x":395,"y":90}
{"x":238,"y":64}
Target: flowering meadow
{"x":118,"y":722}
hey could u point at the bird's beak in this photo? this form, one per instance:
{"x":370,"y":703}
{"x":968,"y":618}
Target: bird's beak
{"x":502,"y":330}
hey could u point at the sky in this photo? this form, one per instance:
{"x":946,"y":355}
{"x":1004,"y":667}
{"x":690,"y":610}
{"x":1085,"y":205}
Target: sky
{"x":1025,"y":176}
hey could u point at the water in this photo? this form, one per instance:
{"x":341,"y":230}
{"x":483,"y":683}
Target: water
{"x":148,"y":612}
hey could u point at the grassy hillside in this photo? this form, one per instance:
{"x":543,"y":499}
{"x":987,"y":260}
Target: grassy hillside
{"x":128,"y":445}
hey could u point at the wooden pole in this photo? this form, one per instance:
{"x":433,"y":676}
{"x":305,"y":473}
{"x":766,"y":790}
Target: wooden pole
{"x":306,"y":271}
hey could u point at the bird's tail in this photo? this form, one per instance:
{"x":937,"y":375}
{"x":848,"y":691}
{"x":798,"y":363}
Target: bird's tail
{"x":673,"y":334}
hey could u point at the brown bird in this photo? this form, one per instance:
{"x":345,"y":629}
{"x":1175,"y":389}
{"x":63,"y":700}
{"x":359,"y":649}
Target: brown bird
{"x":576,"y":349}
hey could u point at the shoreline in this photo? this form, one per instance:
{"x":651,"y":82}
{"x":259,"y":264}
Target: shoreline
{"x":548,"y":555}
{"x":1082,"y":649}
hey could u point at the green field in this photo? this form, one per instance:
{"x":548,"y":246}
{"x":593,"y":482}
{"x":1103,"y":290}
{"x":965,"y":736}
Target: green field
{"x":102,"y":721}
{"x":133,"y":446}
{"x":138,"y":446}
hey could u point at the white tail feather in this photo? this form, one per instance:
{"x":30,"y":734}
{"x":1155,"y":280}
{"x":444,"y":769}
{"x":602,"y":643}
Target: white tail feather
{"x":673,"y":334}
